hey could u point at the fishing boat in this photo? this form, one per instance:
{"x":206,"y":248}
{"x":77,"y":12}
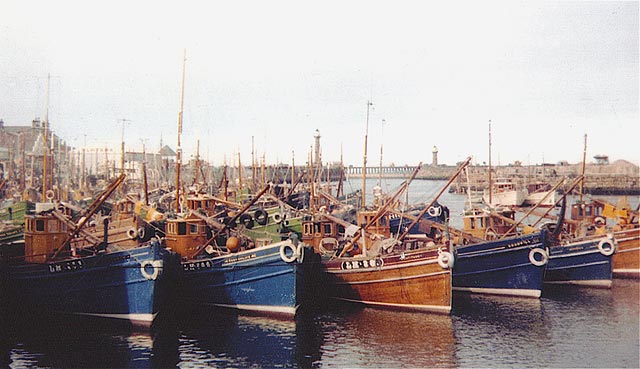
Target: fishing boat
{"x":364,"y":263}
{"x":380,"y":271}
{"x":585,"y":262}
{"x":511,"y":266}
{"x":504,"y":192}
{"x":537,"y":191}
{"x":592,"y":216}
{"x":257,"y":277}
{"x":64,"y":270}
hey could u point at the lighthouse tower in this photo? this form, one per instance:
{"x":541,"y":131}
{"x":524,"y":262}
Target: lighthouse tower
{"x":434,"y":161}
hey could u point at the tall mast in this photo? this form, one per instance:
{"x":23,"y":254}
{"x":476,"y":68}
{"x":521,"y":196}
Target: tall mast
{"x":364,"y":164}
{"x":584,"y":162}
{"x":45,"y":147}
{"x":195,"y":176}
{"x":490,"y":182}
{"x":380,"y":168}
{"x":179,"y":149}
{"x":144,"y":175}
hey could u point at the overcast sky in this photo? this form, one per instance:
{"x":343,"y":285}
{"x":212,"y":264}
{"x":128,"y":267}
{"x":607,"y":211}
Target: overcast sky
{"x":544,"y":73}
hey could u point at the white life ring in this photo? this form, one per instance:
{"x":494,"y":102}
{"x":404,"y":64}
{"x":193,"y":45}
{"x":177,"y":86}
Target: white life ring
{"x":606,"y":247}
{"x":536,"y":262}
{"x":132,"y":233}
{"x":277,"y":217}
{"x":446,"y":260}
{"x":435,"y":211}
{"x":283,"y":252}
{"x":300,"y":252}
{"x":49,"y":195}
{"x":156,"y":265}
{"x":141,"y":232}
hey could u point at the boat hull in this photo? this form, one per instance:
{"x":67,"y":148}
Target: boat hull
{"x":257,"y":281}
{"x":535,"y":198}
{"x":506,"y":198}
{"x":127,"y":285}
{"x":626,"y":260}
{"x":501,"y":267}
{"x":581,"y":263}
{"x":409,"y":281}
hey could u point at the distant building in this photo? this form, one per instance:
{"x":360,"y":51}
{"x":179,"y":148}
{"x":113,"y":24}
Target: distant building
{"x":602,"y":159}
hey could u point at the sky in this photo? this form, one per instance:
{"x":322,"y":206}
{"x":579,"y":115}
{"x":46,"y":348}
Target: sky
{"x":267,"y":74}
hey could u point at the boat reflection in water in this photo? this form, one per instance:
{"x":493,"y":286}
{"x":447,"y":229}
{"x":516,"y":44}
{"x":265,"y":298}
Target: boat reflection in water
{"x":370,"y":337}
{"x":219,"y":338}
{"x":513,"y":326}
{"x":85,"y":342}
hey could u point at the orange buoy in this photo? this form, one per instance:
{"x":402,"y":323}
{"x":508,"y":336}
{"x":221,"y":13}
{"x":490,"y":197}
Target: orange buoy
{"x":233,"y":244}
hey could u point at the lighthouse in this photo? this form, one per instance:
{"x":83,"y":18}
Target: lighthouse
{"x":434,"y":161}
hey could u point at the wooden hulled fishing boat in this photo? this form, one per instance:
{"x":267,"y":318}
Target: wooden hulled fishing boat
{"x":364,"y":263}
{"x":626,"y":260}
{"x":380,"y":271}
{"x":65,"y":270}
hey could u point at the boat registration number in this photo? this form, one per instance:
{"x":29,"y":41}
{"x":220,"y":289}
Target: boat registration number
{"x":362,"y":264}
{"x":67,"y":266}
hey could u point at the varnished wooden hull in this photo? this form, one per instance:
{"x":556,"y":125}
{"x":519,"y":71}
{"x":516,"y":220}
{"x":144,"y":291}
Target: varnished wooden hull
{"x":409,"y":281}
{"x":626,"y":260}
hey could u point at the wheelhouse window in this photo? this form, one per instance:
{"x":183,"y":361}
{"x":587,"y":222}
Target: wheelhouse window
{"x":182,"y":228}
{"x":193,"y":228}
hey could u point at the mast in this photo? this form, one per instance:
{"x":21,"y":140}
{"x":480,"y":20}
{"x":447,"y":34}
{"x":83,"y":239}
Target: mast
{"x":179,"y":149}
{"x":253,"y":165}
{"x":584,"y":162}
{"x":293,"y":167}
{"x":490,"y":182}
{"x":144,"y":175}
{"x":45,"y":148}
{"x":341,"y":178}
{"x":380,"y":168}
{"x":195,"y":176}
{"x":364,"y":163}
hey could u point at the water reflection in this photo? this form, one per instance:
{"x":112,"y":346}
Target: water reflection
{"x":367,"y":337}
{"x":46,"y":341}
{"x":514,"y":328}
{"x":219,"y":338}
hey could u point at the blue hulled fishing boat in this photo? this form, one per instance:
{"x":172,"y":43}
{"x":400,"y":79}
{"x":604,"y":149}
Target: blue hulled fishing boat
{"x":119,"y":284}
{"x":64,"y":269}
{"x":252,"y":276}
{"x":508,"y":266}
{"x":586,"y":262}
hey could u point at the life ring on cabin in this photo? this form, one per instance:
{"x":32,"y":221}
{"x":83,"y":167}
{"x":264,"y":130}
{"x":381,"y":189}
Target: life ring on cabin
{"x":543,"y":255}
{"x":132,"y":233}
{"x":277,"y":217}
{"x":246,"y":221}
{"x":49,"y":195}
{"x":155,"y":267}
{"x":435,"y":211}
{"x":607,"y":247}
{"x":141,"y":232}
{"x":445,"y":259}
{"x":599,"y":222}
{"x":261,"y":217}
{"x":293,"y":254}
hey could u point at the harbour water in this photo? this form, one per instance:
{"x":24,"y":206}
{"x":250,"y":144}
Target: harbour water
{"x":567,"y":327}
